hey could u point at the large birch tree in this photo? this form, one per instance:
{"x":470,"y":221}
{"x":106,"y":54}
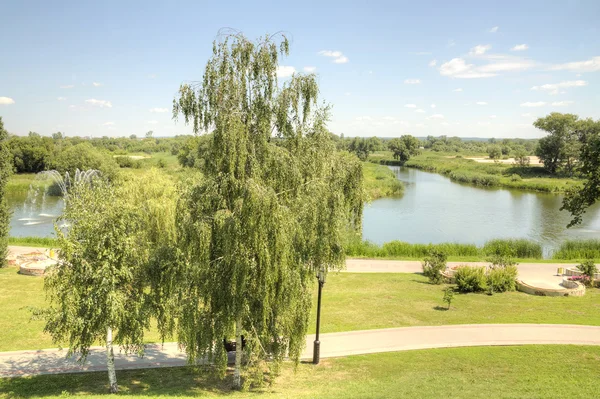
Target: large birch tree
{"x":272,"y":207}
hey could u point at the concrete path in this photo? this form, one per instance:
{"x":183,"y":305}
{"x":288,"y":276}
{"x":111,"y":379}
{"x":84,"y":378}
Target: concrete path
{"x":541,"y":275}
{"x":53,"y":361}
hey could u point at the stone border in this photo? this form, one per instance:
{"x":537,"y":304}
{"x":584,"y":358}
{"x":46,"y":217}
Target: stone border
{"x":572,"y":288}
{"x":574,"y":271}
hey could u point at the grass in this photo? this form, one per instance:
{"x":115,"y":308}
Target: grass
{"x":20,"y":183}
{"x":468,"y":171}
{"x":373,"y":300}
{"x":517,"y":248}
{"x":380,"y":181}
{"x":40,"y":242}
{"x":578,"y":249}
{"x":543,"y":371}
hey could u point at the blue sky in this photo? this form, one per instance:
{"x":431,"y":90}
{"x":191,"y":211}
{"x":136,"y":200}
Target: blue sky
{"x":464,"y":68}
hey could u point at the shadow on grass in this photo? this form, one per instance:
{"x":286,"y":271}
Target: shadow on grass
{"x":440,"y":308}
{"x":172,"y":381}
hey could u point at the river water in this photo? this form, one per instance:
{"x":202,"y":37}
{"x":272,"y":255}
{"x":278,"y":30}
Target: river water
{"x":433,"y":209}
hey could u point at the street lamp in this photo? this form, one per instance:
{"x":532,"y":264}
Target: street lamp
{"x":321,"y":275}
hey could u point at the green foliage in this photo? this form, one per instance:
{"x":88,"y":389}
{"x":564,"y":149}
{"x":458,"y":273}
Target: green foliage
{"x":31,"y":154}
{"x":357,"y":247}
{"x":448,"y":296}
{"x":578,"y":199}
{"x":43,"y":242}
{"x":83,"y":157}
{"x":502,"y":278}
{"x":380,"y":181}
{"x":433,"y":266}
{"x":515,"y":247}
{"x":521,"y":156}
{"x":361,"y":147}
{"x":515,"y":177}
{"x":578,"y":249}
{"x":495,"y":152}
{"x":471,"y":279}
{"x":404,"y":147}
{"x":264,"y":216}
{"x":589,"y":269}
{"x":5,"y":214}
{"x":559,"y":151}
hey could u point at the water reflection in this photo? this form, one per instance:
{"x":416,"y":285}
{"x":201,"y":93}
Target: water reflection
{"x":434,"y":209}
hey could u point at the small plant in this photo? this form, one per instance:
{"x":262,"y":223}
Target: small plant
{"x":515,"y":177}
{"x":161,"y":163}
{"x":589,"y":269}
{"x":448,"y":296}
{"x":433,"y":265}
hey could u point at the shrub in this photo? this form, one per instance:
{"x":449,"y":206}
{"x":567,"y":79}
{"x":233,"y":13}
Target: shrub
{"x":83,"y":157}
{"x":470,"y":279}
{"x":588,"y":268}
{"x":515,"y":177}
{"x":124,"y":161}
{"x":161,"y":163}
{"x":433,"y":266}
{"x":502,"y":278}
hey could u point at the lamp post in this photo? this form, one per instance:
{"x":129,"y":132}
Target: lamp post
{"x":321,"y":275}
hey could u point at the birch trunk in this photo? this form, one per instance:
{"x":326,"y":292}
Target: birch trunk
{"x":110,"y":363}
{"x":237,"y":374}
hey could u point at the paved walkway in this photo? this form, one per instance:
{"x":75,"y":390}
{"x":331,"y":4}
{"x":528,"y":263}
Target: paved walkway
{"x":541,"y":275}
{"x":53,"y":361}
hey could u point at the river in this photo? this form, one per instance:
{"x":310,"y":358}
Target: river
{"x":433,"y":209}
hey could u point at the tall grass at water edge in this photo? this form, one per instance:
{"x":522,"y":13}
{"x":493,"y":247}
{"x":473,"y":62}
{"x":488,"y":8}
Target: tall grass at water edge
{"x":380,"y":181}
{"x":578,"y":249}
{"x":518,"y":248}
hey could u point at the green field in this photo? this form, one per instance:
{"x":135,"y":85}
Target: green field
{"x":374,"y":300}
{"x":380,"y":181}
{"x":479,"y":372}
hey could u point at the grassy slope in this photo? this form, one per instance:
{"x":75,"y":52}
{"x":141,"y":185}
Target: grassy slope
{"x":484,"y":174}
{"x":373,"y":300}
{"x":380,"y":181}
{"x":485,"y":372}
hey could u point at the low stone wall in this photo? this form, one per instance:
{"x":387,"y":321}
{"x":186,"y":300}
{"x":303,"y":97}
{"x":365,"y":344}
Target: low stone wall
{"x":572,"y":288}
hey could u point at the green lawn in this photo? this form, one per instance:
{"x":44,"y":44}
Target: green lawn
{"x":351,"y":301}
{"x":479,"y":372}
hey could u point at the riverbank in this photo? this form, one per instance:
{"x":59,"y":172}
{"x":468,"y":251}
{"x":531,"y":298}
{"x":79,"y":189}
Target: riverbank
{"x":380,"y":181}
{"x":461,"y":169}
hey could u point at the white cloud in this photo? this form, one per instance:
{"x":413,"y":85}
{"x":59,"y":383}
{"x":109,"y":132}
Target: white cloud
{"x":338,"y":56}
{"x":67,"y":86}
{"x":492,"y":116}
{"x":412,"y":81}
{"x":72,"y":106}
{"x":484,"y":123}
{"x":108,"y":124}
{"x":561,"y":103}
{"x":480,"y":49}
{"x":419,"y":125}
{"x":309,"y":69}
{"x":152,"y":122}
{"x":363,"y":118}
{"x":527,"y":115}
{"x":444,"y":124}
{"x":432,"y":105}
{"x":159,"y":110}
{"x":423,"y":53}
{"x":451,"y":43}
{"x":458,"y":90}
{"x":347,"y":93}
{"x":284,"y":71}
{"x":481,"y":103}
{"x":152,"y":76}
{"x":99,"y":103}
{"x":494,"y":29}
{"x":410,"y":106}
{"x":436,"y":116}
{"x":432,"y":63}
{"x":61,"y":98}
{"x":507,"y":66}
{"x":96,"y":84}
{"x":554,"y":87}
{"x":389,"y":118}
{"x":590,"y":65}
{"x":458,"y":68}
{"x":420,"y":111}
{"x":6,"y":101}
{"x":520,"y":47}
{"x":535,"y":104}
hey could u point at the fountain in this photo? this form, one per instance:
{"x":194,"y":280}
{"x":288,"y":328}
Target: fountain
{"x":34,"y":212}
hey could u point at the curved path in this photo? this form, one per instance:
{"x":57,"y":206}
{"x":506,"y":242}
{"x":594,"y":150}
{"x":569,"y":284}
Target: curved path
{"x":53,"y":361}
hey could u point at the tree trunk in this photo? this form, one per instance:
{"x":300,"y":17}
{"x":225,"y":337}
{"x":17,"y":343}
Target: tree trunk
{"x":237,"y":374}
{"x":110,"y":363}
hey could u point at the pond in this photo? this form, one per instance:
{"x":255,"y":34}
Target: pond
{"x":34,"y":216}
{"x":434,"y":209}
